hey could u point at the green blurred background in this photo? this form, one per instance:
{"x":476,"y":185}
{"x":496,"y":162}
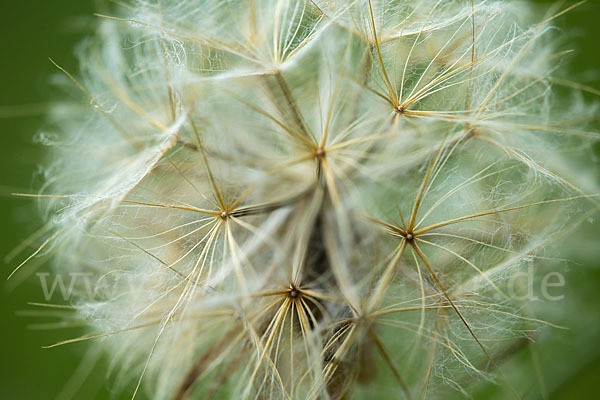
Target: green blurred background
{"x":33,"y":30}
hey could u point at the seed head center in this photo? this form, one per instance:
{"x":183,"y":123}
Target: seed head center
{"x":293,"y":292}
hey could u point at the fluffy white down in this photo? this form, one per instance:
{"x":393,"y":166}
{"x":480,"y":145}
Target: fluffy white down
{"x":313,"y":199}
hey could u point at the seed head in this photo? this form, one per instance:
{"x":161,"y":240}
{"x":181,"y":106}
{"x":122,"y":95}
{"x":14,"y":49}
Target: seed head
{"x":399,"y":247}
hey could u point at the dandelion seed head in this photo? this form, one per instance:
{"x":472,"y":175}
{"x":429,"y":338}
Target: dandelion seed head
{"x":259,"y":222}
